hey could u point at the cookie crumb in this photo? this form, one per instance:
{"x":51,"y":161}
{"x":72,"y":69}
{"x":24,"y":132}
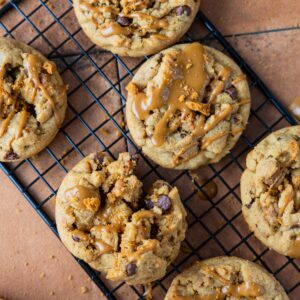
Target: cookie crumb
{"x":42,"y":275}
{"x":52,"y":256}
{"x":84,"y":290}
{"x":70,"y":277}
{"x":52,"y":293}
{"x":26,"y":264}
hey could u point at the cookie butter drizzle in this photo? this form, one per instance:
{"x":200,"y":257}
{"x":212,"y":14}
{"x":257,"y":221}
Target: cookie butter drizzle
{"x":245,"y":289}
{"x":192,"y":79}
{"x":128,"y":11}
{"x":33,"y":62}
{"x":33,"y":74}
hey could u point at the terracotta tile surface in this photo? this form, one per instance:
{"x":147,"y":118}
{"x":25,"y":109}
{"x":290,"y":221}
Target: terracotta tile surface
{"x":33,"y":263}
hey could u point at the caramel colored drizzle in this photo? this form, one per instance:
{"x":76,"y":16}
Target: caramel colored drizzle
{"x":5,"y":123}
{"x":240,"y":78}
{"x":151,"y":21}
{"x":245,"y":289}
{"x":22,"y":123}
{"x":80,"y":192}
{"x":194,"y":78}
{"x":114,"y":29}
{"x":33,"y":63}
{"x":216,"y":119}
{"x":149,"y":246}
{"x":222,"y":78}
{"x":102,"y":247}
{"x":208,"y":140}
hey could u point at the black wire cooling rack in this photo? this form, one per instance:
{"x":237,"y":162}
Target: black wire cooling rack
{"x":95,"y":121}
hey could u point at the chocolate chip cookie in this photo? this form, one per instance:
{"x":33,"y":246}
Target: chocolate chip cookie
{"x":33,"y":101}
{"x":270,"y":191}
{"x":187,"y":106}
{"x":134,"y":27}
{"x":104,"y":218}
{"x":225,"y":278}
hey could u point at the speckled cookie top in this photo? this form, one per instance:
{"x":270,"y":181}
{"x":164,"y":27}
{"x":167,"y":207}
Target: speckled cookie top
{"x":225,"y":278}
{"x":104,"y":219}
{"x":187,"y":106}
{"x":32,"y":100}
{"x":134,"y":27}
{"x":271,"y":191}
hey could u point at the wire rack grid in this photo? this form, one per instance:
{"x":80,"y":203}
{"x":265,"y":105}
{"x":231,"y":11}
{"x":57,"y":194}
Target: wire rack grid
{"x":96,"y":121}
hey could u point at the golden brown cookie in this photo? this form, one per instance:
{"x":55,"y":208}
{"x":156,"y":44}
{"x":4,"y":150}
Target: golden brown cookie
{"x":133,"y":27}
{"x":33,"y":101}
{"x":225,"y":278}
{"x":103,"y":218}
{"x":187,"y":106}
{"x":270,"y":191}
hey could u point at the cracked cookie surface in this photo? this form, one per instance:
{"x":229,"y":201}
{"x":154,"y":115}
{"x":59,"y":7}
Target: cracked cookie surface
{"x":134,"y":27}
{"x":104,"y":218}
{"x":33,"y":101}
{"x":225,"y":278}
{"x":187,"y":106}
{"x":270,"y":191}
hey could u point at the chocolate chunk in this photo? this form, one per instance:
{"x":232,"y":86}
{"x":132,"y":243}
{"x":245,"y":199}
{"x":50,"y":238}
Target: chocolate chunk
{"x":123,"y":21}
{"x":11,"y":155}
{"x":131,"y":269}
{"x":149,"y":204}
{"x":232,"y":92}
{"x":75,"y":238}
{"x":164,"y":202}
{"x":183,"y":10}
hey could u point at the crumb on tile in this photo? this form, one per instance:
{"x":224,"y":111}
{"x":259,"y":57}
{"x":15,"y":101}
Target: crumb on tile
{"x":83,"y":289}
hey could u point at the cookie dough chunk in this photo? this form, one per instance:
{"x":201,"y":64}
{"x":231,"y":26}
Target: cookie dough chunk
{"x":33,"y":101}
{"x":103,"y":218}
{"x":270,"y":190}
{"x":187,"y":106}
{"x":133,"y":27}
{"x":225,"y":278}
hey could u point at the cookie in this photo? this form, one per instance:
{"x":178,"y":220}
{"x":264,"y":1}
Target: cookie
{"x":33,"y":101}
{"x":135,"y":28}
{"x":225,"y":278}
{"x":270,"y":191}
{"x":104,"y":218}
{"x":187,"y":106}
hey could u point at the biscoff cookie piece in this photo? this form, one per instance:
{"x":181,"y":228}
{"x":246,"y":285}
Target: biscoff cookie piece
{"x":134,"y":27}
{"x":33,"y":101}
{"x":103,"y":218}
{"x":225,"y":278}
{"x":270,"y":191}
{"x":187,"y":106}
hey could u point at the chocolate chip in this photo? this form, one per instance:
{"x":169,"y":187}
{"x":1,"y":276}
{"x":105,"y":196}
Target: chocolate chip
{"x":153,"y":231}
{"x":248,"y":205}
{"x":183,"y":10}
{"x":131,"y":269}
{"x":149,"y":204}
{"x":232,"y":92}
{"x":123,"y":21}
{"x":11,"y":155}
{"x":8,"y":67}
{"x":164,"y":202}
{"x":75,"y":238}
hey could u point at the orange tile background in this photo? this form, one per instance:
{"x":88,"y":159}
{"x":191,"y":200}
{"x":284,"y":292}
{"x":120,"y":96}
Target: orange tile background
{"x":34,"y":264}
